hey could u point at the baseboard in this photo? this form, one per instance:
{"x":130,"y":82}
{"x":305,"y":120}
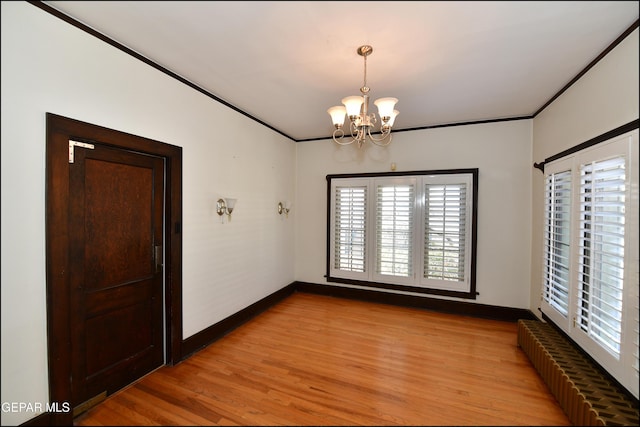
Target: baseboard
{"x":447,"y":306}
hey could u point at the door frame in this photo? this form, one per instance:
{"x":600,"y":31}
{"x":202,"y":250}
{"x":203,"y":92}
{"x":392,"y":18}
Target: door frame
{"x":59,"y":131}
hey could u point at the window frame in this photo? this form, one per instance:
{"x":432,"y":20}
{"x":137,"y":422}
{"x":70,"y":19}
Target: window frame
{"x":417,"y":284}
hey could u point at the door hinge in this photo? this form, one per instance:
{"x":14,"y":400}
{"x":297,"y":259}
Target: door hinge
{"x":73,"y":144}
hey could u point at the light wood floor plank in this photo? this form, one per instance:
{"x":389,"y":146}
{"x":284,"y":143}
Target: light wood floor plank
{"x":318,"y":360}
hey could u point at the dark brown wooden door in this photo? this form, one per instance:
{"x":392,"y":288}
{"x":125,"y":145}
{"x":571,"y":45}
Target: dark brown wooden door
{"x":115,"y":267}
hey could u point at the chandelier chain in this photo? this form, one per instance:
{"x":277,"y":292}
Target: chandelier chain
{"x":365,"y":71}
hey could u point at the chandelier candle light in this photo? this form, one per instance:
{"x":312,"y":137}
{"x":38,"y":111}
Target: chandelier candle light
{"x":357,"y":108}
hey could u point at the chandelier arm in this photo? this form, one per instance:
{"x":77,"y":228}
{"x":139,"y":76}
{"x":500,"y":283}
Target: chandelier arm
{"x":354,"y":130}
{"x":384,"y":133}
{"x":358,"y":132}
{"x":340,"y":139}
{"x":383,"y":141}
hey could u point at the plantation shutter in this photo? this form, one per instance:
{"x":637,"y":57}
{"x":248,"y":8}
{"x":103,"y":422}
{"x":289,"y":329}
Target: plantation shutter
{"x":445,"y":231}
{"x":394,"y":229}
{"x":350,"y":228}
{"x":557,"y":246}
{"x":601,"y":251}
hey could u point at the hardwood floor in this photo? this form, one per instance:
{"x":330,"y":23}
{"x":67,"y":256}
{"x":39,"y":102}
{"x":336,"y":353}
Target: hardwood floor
{"x":318,"y":360}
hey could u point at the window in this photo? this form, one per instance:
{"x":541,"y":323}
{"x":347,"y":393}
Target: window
{"x":412,"y":232}
{"x":590,"y":277}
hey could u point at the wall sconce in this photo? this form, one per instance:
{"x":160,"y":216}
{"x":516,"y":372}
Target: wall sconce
{"x":286,"y":207}
{"x":225,"y":206}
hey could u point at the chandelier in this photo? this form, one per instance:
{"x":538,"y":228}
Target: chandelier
{"x":357,"y":108}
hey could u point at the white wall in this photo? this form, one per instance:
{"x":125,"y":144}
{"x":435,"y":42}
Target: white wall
{"x":605,"y":98}
{"x":50,"y":66}
{"x":501,"y":151}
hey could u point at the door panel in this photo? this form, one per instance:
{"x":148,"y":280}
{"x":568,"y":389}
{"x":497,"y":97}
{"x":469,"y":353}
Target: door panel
{"x":118,"y":219}
{"x":115,"y":223}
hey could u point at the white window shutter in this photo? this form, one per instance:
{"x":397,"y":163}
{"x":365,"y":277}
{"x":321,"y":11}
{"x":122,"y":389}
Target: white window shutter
{"x":445,"y":231}
{"x":395,"y":206}
{"x":350,"y":238}
{"x":601,"y":252}
{"x":557,"y":241}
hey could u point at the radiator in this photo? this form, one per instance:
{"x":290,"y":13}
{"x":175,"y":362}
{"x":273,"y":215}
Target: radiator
{"x":583,"y":392}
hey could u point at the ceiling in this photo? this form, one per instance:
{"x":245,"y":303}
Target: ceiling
{"x":284,"y":63}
